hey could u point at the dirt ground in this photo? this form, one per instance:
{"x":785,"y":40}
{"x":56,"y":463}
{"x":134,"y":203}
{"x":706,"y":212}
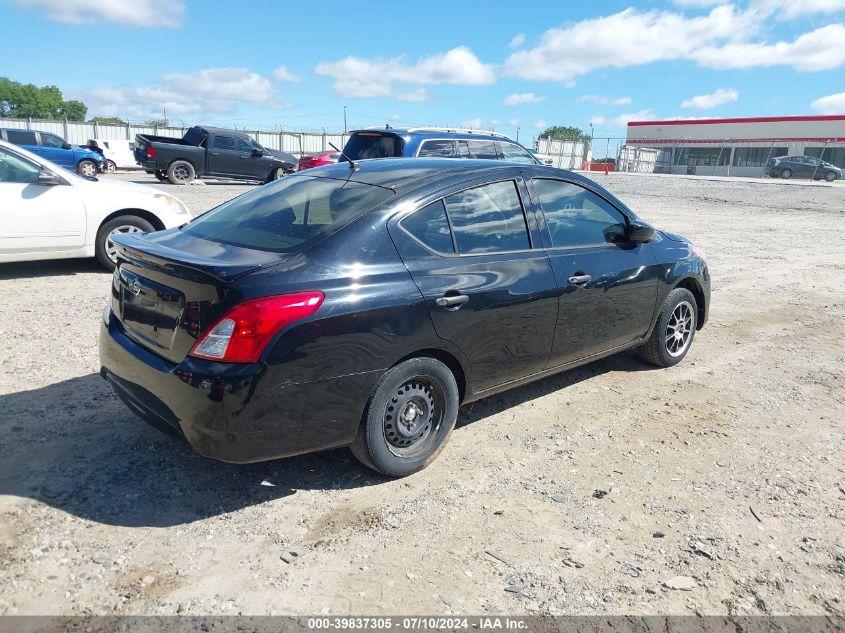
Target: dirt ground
{"x":726,"y":471}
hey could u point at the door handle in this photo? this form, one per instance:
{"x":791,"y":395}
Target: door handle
{"x":451,"y":301}
{"x":244,"y":157}
{"x":215,"y":153}
{"x":578,"y":280}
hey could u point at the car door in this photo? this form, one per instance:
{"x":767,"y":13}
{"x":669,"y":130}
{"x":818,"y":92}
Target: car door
{"x":490,"y":290}
{"x":607,"y":288}
{"x":52,"y":148}
{"x":224,"y":159}
{"x":254,"y":164}
{"x":36,"y":218}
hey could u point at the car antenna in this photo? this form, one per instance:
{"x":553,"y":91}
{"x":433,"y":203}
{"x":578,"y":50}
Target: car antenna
{"x":352,"y":164}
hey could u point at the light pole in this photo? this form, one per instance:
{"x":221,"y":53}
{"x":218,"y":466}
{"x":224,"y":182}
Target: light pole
{"x":517,"y":134}
{"x":344,"y":119}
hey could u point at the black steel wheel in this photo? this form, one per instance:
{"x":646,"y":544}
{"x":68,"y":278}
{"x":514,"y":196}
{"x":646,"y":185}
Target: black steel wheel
{"x":180,"y":172}
{"x":409,"y":418}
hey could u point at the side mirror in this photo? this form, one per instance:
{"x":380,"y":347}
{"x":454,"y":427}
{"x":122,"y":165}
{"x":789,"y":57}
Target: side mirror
{"x":639,"y":232}
{"x":48,"y":179}
{"x":67,"y":145}
{"x":257,"y":152}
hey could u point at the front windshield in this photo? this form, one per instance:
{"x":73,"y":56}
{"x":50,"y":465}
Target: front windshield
{"x":289,"y":214}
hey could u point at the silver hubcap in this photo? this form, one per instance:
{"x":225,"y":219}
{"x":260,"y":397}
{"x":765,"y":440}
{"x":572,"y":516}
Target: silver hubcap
{"x":88,"y":169}
{"x":111,"y":249}
{"x":111,"y":167}
{"x":679,"y":329}
{"x":181,"y":173}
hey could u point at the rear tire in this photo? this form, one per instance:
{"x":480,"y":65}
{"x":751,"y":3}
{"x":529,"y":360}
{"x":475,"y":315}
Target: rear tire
{"x":408,"y":420}
{"x":674,"y":331}
{"x":87,"y":168}
{"x":786,"y":174}
{"x":103,"y":249}
{"x":276,"y":174}
{"x":181,"y":172}
{"x":110,"y":166}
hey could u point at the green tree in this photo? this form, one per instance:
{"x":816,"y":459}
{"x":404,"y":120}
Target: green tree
{"x":109,"y":120}
{"x":565,"y":132}
{"x":156,"y":123}
{"x":21,"y":101}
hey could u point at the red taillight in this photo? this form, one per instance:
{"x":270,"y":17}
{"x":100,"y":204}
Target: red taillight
{"x":151,"y":153}
{"x":241,"y":334}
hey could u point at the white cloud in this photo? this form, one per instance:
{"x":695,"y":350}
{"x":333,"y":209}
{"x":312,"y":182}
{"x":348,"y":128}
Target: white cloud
{"x":154,"y":13}
{"x":211,"y":91}
{"x":283,"y":74}
{"x":712,"y":100}
{"x":418,"y":95}
{"x":822,"y":49}
{"x":623,"y":119}
{"x":359,"y":77}
{"x":604,"y":100}
{"x":525,"y":97}
{"x":517,"y":41}
{"x":597,"y":120}
{"x":396,"y":117}
{"x":627,"y":38}
{"x":791,"y":9}
{"x":495,"y":122}
{"x":831,"y":104}
{"x":514,"y":122}
{"x":473,"y":124}
{"x":541,"y":124}
{"x":698,"y":4}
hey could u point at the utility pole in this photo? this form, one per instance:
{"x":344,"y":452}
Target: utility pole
{"x":344,"y":119}
{"x":517,"y":134}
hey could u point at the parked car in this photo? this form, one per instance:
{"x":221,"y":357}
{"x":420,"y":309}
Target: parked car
{"x":362,"y":304}
{"x":543,"y":159}
{"x":802,"y":167}
{"x":318,"y":160}
{"x":51,"y":213}
{"x":209,"y":151}
{"x":434,"y":142}
{"x":118,"y":153}
{"x":57,"y":150}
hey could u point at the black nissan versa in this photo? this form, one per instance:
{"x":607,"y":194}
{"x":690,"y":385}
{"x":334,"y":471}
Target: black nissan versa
{"x":362,"y":303}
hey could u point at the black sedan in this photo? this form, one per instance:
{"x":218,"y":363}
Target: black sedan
{"x":802,"y":167}
{"x":361,"y":304}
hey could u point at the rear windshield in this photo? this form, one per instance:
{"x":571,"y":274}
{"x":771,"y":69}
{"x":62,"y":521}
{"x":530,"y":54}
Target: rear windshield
{"x":373,"y":145}
{"x":289,"y":214}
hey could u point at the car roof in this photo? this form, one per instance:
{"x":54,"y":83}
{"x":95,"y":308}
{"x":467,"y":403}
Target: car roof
{"x":406,"y":174}
{"x":433,"y":132}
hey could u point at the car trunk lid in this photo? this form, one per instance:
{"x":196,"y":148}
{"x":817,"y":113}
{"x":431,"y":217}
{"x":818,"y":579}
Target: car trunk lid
{"x":169,"y":287}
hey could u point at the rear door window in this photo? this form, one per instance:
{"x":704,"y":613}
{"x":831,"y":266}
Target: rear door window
{"x":442,"y":149}
{"x":488,"y":219}
{"x":430,"y":226}
{"x":373,"y":145}
{"x":21,"y":137}
{"x":51,"y":140}
{"x":484,"y":149}
{"x":224,"y":142}
{"x":289,"y":214}
{"x":576,"y":216}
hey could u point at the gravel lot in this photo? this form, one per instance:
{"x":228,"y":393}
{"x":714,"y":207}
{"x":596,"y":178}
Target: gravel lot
{"x":722,"y":471}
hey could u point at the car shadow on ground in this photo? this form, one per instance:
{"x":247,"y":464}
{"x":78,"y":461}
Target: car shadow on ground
{"x":74,"y":446}
{"x":50,"y":268}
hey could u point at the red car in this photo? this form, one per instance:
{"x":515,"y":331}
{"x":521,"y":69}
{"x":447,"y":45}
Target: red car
{"x":318,"y":160}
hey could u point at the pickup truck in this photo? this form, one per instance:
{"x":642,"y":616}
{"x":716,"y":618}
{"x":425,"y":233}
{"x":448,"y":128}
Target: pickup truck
{"x":212,"y":152}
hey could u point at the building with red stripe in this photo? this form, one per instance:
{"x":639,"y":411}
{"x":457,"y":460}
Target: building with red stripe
{"x":738,"y":147}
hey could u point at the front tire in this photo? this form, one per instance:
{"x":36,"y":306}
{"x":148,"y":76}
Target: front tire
{"x":674,"y":331}
{"x":87,"y":168}
{"x":786,"y":174}
{"x":409,"y":418}
{"x":111,"y":167}
{"x":830,"y":176}
{"x":181,"y":172}
{"x":160,"y":175}
{"x":104,"y":249}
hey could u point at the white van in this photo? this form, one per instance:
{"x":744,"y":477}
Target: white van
{"x":119,"y":153}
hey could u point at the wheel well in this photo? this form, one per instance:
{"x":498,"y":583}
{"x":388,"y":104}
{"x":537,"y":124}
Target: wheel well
{"x":447,"y":359}
{"x":695,"y":288}
{"x":141,"y":213}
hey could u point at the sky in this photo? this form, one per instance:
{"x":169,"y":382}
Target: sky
{"x":512,"y":67}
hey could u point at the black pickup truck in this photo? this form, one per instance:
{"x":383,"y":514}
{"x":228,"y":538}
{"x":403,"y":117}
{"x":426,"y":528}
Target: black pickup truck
{"x":212,"y":152}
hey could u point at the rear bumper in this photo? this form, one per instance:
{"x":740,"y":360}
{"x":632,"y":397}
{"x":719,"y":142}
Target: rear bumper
{"x":232,"y":413}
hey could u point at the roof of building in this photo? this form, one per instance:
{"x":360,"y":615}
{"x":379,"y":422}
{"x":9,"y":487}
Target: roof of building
{"x":764,"y":119}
